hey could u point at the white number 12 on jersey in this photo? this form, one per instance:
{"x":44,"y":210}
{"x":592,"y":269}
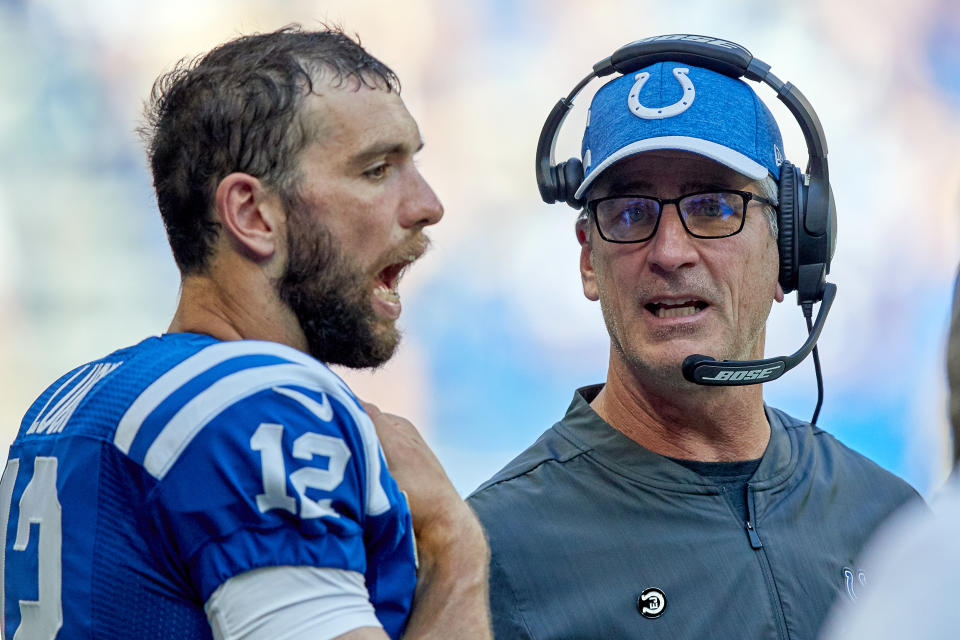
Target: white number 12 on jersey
{"x":268,"y":440}
{"x":39,"y":619}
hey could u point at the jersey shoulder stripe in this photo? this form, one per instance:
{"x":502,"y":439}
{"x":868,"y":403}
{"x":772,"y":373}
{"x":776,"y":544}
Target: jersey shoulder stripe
{"x":292,"y":368}
{"x":188,"y":369}
{"x":208,"y":404}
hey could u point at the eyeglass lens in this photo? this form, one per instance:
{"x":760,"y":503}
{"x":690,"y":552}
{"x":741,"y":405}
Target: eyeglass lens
{"x":706,"y":215}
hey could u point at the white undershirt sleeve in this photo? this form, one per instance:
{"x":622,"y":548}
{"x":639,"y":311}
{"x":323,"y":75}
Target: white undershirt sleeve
{"x":290,"y":603}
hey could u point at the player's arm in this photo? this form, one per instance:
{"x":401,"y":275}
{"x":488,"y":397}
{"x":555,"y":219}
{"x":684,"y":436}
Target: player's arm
{"x":451,"y":599}
{"x":294,"y":602}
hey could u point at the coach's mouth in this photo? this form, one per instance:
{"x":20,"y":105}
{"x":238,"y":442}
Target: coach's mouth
{"x":675,"y":308}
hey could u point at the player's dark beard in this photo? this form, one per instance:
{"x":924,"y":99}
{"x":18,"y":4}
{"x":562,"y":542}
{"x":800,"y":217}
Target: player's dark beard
{"x":330,"y":296}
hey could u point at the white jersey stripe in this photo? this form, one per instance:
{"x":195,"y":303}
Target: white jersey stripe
{"x":377,"y":500}
{"x":208,"y":404}
{"x":178,"y":433}
{"x":202,"y":361}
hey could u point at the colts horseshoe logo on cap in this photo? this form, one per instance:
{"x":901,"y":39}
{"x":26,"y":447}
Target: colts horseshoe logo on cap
{"x":658,"y":113}
{"x":651,"y":603}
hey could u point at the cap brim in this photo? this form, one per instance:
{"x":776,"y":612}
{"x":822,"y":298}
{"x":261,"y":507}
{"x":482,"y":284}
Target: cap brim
{"x":719,"y":153}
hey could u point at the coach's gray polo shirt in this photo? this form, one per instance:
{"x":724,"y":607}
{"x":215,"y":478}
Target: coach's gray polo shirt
{"x":593,"y":536}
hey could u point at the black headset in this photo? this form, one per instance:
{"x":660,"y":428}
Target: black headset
{"x":807,"y":218}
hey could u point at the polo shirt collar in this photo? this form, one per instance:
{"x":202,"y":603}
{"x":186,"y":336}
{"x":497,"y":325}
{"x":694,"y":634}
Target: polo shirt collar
{"x":591,"y":434}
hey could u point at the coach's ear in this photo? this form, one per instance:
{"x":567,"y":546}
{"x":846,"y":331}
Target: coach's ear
{"x":587,"y":274}
{"x":252,"y":216}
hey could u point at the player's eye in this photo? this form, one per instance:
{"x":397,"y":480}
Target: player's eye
{"x":378,"y":171}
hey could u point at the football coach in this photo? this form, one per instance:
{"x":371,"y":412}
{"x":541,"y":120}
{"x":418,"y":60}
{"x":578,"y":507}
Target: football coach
{"x":670,"y":501}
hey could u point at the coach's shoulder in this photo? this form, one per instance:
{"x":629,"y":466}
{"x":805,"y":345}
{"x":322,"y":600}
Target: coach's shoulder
{"x":831,"y":460}
{"x":517,"y":477}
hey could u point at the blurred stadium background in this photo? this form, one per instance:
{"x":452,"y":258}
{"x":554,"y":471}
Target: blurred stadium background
{"x":498,"y":333}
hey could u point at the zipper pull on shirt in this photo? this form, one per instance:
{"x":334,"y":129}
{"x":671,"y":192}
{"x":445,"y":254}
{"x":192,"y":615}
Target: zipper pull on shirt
{"x":754,"y":538}
{"x":751,"y":518}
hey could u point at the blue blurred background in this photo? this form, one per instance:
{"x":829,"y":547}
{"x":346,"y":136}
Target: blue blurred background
{"x":497,"y":332}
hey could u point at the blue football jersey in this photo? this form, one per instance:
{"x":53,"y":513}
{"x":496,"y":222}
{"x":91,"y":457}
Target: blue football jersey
{"x":140,"y":483}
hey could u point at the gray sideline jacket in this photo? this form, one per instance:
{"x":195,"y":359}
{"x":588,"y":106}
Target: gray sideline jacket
{"x":586,"y":524}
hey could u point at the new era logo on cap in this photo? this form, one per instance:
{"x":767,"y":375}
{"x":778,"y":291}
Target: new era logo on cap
{"x":675,"y":106}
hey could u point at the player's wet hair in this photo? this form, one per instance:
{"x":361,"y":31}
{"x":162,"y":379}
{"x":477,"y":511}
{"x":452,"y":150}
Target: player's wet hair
{"x":237,"y":108}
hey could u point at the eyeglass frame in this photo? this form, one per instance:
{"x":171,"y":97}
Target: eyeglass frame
{"x":747,"y":196}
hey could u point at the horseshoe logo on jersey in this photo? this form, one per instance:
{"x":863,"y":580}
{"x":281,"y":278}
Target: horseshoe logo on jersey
{"x":659,"y":113}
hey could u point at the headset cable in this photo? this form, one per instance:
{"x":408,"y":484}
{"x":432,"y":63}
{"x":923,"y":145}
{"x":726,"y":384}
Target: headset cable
{"x":807,"y":314}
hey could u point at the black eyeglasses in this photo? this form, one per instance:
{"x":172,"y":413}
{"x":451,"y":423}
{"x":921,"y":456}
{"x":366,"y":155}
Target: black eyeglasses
{"x":705,"y":214}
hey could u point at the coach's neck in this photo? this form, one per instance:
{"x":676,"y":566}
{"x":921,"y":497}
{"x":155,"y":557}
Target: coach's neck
{"x":711,"y":424}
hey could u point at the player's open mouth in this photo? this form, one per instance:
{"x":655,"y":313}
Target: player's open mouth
{"x":385,"y":293}
{"x":675,"y":308}
{"x":387,"y":281}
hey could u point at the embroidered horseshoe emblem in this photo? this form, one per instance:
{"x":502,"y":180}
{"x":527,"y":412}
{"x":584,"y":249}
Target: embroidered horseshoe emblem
{"x":658,"y":113}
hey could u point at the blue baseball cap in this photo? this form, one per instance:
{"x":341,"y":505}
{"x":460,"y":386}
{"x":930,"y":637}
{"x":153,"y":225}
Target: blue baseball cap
{"x":670,"y":105}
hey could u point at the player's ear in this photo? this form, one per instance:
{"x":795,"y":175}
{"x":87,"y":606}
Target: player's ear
{"x":251,"y":215}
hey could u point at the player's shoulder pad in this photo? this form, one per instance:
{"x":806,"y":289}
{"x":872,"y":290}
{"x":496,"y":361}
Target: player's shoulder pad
{"x":160,"y":423}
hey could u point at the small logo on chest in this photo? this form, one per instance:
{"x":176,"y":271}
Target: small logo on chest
{"x":852,"y":580}
{"x":651,"y":603}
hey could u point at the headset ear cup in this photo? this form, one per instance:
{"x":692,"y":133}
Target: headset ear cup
{"x":572,"y":179}
{"x":548,"y":184}
{"x":831,"y":228}
{"x":787,"y":224}
{"x":559,"y":175}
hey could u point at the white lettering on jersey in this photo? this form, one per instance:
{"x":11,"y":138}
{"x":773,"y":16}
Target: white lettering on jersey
{"x":39,"y":512}
{"x":268,"y":440}
{"x":337,"y":453}
{"x":6,"y":500}
{"x":377,"y":500}
{"x":54,"y":420}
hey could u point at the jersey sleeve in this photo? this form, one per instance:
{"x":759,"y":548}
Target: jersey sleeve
{"x":288,"y":603}
{"x":288,"y":475}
